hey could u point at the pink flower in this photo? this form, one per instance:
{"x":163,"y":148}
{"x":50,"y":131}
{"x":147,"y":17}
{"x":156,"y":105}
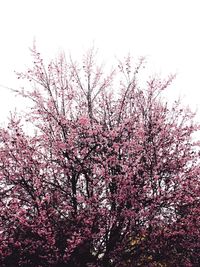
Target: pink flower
{"x":84,"y":121}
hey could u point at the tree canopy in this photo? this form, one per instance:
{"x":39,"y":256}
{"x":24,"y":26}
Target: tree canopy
{"x":111,"y":176}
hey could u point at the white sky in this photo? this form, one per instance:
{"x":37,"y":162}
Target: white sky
{"x":166,"y":31}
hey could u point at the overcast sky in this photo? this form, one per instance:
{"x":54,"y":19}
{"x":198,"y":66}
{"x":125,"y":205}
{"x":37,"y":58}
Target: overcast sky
{"x":165,"y":31}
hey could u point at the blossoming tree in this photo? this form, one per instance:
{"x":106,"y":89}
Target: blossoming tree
{"x":110,"y":177}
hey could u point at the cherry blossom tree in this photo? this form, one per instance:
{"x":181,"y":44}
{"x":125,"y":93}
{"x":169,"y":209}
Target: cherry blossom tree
{"x":110,"y":176}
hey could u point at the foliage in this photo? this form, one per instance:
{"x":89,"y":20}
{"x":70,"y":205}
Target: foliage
{"x":110,"y":177}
